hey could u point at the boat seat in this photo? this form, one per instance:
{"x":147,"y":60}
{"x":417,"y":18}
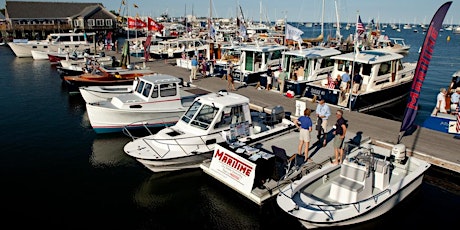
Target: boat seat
{"x":348,"y":184}
{"x":282,"y":162}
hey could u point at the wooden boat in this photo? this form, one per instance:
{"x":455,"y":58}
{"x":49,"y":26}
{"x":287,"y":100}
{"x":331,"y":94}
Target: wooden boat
{"x":371,"y":180}
{"x":127,"y":76}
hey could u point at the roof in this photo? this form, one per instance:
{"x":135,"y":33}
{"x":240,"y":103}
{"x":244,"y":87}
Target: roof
{"x":41,"y":10}
{"x":263,"y":48}
{"x":314,"y":52}
{"x":369,"y":56}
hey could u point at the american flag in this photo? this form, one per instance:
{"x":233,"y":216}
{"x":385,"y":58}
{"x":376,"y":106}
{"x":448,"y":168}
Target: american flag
{"x":359,"y":26}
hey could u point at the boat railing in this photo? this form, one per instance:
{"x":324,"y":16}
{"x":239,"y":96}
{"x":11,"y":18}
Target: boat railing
{"x":144,"y":127}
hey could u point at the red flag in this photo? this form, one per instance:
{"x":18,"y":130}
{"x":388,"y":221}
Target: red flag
{"x":131,"y":23}
{"x":147,"y":47}
{"x":140,"y":24}
{"x":152,"y":25}
{"x":458,"y":120}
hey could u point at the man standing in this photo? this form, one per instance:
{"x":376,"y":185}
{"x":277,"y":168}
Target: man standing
{"x":357,"y":80}
{"x":322,"y":113}
{"x":441,"y":101}
{"x":281,"y":78}
{"x":194,"y":69}
{"x":345,"y":85}
{"x":339,"y":136}
{"x":454,"y":100}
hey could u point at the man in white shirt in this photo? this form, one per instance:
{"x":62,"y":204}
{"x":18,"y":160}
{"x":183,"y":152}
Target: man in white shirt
{"x":454,"y":100}
{"x":441,"y":101}
{"x":322,"y":112}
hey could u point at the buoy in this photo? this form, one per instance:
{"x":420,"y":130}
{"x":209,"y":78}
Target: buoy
{"x":448,"y":38}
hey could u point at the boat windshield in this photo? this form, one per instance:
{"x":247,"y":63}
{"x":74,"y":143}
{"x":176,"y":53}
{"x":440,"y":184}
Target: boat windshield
{"x":200,"y":115}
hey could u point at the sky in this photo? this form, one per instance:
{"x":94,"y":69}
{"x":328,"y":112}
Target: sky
{"x":391,"y":11}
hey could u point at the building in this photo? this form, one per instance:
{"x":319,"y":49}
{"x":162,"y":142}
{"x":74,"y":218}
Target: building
{"x":34,"y":20}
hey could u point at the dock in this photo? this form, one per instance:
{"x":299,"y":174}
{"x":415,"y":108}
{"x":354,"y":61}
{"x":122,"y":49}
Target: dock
{"x":439,"y":149}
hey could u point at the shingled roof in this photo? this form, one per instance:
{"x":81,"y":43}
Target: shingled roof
{"x":44,"y":10}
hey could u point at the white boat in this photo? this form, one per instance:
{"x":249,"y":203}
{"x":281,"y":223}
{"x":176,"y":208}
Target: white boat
{"x":158,"y":100}
{"x":396,"y":45}
{"x":212,"y":118}
{"x":372,"y":179}
{"x":97,"y":93}
{"x":386,"y":79}
{"x":255,"y":60}
{"x":173,"y":48}
{"x":316,"y":63}
{"x":56,"y":41}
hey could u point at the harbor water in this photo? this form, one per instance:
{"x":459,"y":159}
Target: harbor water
{"x":56,"y":173}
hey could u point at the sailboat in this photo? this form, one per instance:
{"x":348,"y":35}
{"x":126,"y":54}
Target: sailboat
{"x":374,"y":176}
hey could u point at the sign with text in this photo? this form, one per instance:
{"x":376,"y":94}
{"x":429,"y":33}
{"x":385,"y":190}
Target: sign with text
{"x":233,"y":169}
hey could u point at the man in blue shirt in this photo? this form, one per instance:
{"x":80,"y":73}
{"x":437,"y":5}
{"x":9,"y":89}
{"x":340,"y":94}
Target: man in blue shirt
{"x":454,"y":100}
{"x":345,"y":80}
{"x":194,"y":69}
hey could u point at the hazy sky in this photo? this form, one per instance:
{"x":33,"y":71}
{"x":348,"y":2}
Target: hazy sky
{"x":410,"y":11}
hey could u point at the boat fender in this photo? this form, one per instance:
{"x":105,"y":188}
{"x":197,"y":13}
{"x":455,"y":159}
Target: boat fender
{"x":325,"y":178}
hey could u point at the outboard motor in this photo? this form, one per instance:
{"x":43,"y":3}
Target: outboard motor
{"x":277,"y":114}
{"x":399,"y":152}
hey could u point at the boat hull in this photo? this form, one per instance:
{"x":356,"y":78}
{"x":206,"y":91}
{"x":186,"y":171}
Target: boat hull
{"x":92,"y":94}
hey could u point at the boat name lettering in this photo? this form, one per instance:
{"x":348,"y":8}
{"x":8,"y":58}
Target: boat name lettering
{"x":317,"y":92}
{"x":233,"y":162}
{"x":420,"y":72}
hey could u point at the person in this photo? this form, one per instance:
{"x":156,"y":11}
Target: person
{"x":117,"y":75}
{"x":269,"y":78}
{"x":441,"y":101}
{"x":340,"y":129}
{"x":345,"y":80}
{"x":204,"y":65}
{"x":337,"y":81}
{"x":454,"y":100}
{"x":194,"y":68}
{"x":281,"y":79}
{"x":322,"y":113}
{"x":304,"y":124}
{"x":231,"y":84}
{"x":357,"y":80}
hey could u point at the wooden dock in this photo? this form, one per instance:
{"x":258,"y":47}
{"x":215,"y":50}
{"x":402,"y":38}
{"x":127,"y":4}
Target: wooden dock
{"x":438,"y":148}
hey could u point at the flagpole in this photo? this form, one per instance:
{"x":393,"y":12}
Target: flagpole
{"x":355,"y":52}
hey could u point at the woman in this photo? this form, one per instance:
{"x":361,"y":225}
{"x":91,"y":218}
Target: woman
{"x":230,"y":84}
{"x":304,"y":124}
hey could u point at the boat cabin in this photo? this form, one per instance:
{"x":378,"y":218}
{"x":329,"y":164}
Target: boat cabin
{"x":255,"y":60}
{"x":149,"y":91}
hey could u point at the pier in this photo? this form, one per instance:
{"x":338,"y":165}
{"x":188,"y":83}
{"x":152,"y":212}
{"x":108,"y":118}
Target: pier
{"x":438,"y":148}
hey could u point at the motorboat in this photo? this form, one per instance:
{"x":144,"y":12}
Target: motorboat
{"x":54,"y":42}
{"x":96,"y":93}
{"x":397,"y":45}
{"x":255,"y":60}
{"x":306,"y":65}
{"x":158,"y":100}
{"x":212,"y":119}
{"x":174,"y":48}
{"x":386,"y":79}
{"x":446,"y":122}
{"x":373,"y":178}
{"x":98,"y":77}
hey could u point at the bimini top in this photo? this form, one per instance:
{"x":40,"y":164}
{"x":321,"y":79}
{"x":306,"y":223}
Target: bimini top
{"x":313,"y":52}
{"x":369,"y":56}
{"x":263,"y":48}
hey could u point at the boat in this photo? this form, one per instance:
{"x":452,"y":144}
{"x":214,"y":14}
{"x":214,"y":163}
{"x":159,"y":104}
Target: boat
{"x":156,"y":97}
{"x":96,"y":93}
{"x":85,"y":65}
{"x":372,"y":179}
{"x":445,"y":122}
{"x":127,"y":76}
{"x":396,"y":45}
{"x":173,"y":48}
{"x":212,"y":119}
{"x":55,"y":41}
{"x":255,"y":60}
{"x":314,"y":63}
{"x":386,"y":80}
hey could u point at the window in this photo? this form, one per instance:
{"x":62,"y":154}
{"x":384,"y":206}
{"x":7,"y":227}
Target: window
{"x":146,"y":90}
{"x":205,"y":116}
{"x":90,"y":22}
{"x":155,"y":92}
{"x":76,"y":23}
{"x":108,"y":22}
{"x":168,"y":90}
{"x":140,"y":86}
{"x":99,"y":22}
{"x":187,"y":117}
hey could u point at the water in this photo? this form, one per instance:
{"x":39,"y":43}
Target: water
{"x":56,"y":173}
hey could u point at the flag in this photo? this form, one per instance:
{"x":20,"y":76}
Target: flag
{"x":293,"y":33}
{"x":152,"y":25}
{"x":359,"y":26}
{"x":123,"y":2}
{"x":135,"y":6}
{"x":243,"y":32}
{"x":131,"y":23}
{"x":212,"y":31}
{"x":147,"y":47}
{"x":372,"y":21}
{"x":422,"y":67}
